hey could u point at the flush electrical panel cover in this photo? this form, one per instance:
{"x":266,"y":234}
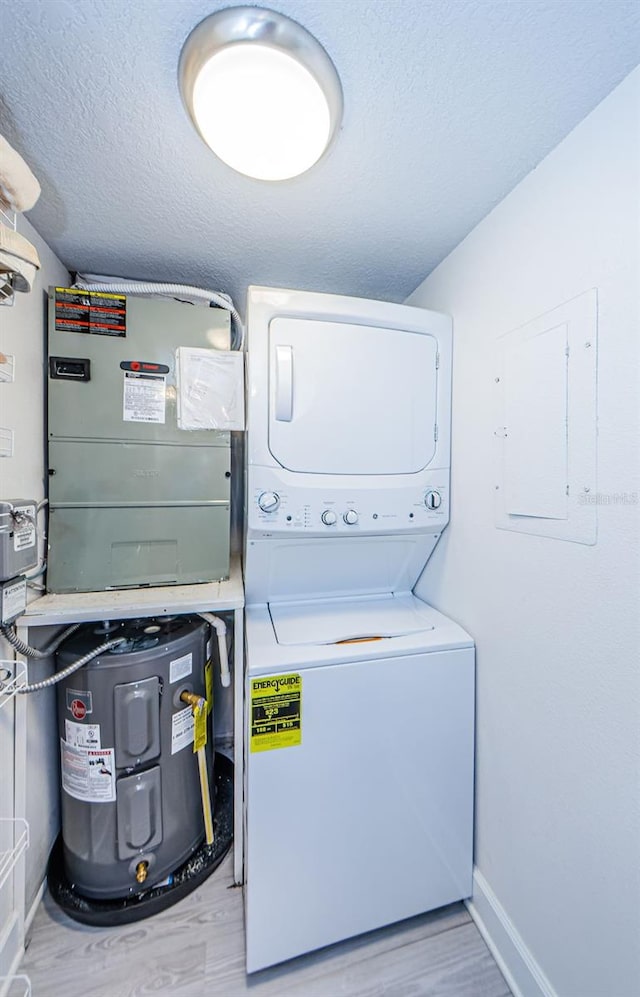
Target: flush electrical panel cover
{"x":546,"y":424}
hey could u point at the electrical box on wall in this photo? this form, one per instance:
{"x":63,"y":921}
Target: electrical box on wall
{"x":18,"y":553}
{"x":13,"y":599}
{"x":546,"y":425}
{"x":133,"y":498}
{"x":18,"y":537}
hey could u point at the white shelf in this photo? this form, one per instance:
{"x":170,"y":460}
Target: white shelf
{"x":123,"y":604}
{"x":7,"y":296}
{"x":14,"y":839}
{"x":6,"y":442}
{"x":7,"y":368}
{"x":15,"y":986}
{"x":8,"y":217}
{"x":13,"y":674}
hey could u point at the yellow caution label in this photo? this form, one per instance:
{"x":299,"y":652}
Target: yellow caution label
{"x":276,"y":712}
{"x":208,"y":684}
{"x":94,"y":294}
{"x":199,"y":727}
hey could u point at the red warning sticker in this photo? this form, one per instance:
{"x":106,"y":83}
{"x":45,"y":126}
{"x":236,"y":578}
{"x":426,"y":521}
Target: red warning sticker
{"x":94,"y":312}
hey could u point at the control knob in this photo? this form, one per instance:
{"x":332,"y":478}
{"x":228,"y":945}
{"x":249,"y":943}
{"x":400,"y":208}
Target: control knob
{"x":433,"y":500}
{"x":350,"y":517}
{"x":269,"y":501}
{"x":329,"y":517}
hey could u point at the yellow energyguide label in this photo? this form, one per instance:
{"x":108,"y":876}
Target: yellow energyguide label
{"x":275,"y":712}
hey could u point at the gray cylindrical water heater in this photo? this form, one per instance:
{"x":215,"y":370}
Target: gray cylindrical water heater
{"x":132,"y":808}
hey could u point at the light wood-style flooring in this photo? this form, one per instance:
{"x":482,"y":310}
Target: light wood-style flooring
{"x":196,"y":949}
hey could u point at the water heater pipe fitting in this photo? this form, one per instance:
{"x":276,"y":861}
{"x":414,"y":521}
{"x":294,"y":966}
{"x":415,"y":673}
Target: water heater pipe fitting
{"x":192,"y":699}
{"x":197,"y":702}
{"x":220,"y":628}
{"x":142,"y":870}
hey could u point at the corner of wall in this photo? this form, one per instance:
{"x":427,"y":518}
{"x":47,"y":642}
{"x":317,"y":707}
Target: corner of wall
{"x":514,"y":959}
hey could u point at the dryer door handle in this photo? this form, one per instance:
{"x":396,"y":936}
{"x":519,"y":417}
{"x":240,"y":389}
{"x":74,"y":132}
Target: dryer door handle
{"x":284,"y":383}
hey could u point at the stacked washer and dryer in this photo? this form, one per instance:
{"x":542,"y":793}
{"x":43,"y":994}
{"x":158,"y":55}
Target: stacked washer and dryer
{"x":359,"y":697}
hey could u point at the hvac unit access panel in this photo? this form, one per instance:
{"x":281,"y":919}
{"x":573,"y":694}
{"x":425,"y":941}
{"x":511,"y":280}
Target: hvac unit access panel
{"x":133,"y":499}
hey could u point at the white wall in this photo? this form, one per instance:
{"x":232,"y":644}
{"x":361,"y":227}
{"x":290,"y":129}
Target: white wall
{"x":23,"y":334}
{"x":556,"y":623}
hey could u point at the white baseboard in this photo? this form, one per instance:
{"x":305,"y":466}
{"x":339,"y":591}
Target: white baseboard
{"x":11,"y":949}
{"x":516,"y":963}
{"x":34,"y":907}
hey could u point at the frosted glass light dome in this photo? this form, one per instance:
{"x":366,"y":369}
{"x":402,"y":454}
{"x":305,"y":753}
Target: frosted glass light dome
{"x":261,"y":91}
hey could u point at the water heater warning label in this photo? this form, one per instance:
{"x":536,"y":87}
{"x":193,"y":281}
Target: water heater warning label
{"x":182,"y":725}
{"x":276,"y":712}
{"x":88,"y":774}
{"x":82,"y":735}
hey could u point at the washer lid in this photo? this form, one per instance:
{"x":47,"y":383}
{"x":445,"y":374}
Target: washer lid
{"x":332,"y":621}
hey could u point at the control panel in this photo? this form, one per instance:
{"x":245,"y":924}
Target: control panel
{"x":275,"y":506}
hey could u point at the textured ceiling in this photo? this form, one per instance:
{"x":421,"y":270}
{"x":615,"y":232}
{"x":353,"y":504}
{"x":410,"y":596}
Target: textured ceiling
{"x":447,"y":106}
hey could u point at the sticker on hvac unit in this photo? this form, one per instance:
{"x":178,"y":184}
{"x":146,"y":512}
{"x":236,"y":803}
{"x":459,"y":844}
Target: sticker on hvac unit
{"x":144,"y":397}
{"x":96,"y":312}
{"x":88,"y":774}
{"x":276,"y":712}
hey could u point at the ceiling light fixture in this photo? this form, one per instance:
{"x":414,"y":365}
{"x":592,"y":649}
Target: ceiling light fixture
{"x":261,"y":91}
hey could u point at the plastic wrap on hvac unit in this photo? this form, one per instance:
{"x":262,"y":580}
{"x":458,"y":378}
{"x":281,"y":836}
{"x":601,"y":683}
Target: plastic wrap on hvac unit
{"x":210,"y":385}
